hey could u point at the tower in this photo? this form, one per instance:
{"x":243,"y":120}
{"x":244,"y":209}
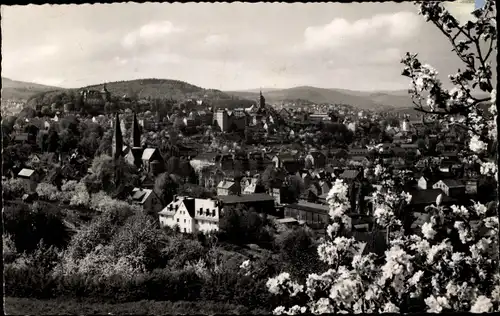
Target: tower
{"x":117,"y":142}
{"x":134,"y":156}
{"x":105,"y":94}
{"x":262,"y":101}
{"x":136,"y":133}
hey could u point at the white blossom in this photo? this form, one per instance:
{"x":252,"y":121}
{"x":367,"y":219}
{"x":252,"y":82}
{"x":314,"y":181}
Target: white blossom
{"x":415,"y":279}
{"x":482,"y":305}
{"x":436,"y":304}
{"x":245,"y":265}
{"x":322,"y":306}
{"x":477,"y":145}
{"x":428,"y":231}
{"x":279,"y":310}
{"x":439,"y":199}
{"x":389,"y":307}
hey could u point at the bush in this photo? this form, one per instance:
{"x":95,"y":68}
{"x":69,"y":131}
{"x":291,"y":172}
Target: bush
{"x":48,"y":192}
{"x":13,"y":188}
{"x":80,"y":196}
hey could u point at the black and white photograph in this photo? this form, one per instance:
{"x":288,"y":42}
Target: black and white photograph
{"x":250,"y":158}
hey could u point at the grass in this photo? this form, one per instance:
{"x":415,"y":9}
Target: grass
{"x":28,"y":306}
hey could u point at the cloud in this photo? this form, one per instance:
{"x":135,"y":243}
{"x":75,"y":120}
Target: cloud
{"x":216,"y":40}
{"x":340,"y":32}
{"x":150,"y":33}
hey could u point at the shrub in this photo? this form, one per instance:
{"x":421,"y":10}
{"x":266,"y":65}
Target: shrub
{"x":48,"y":192}
{"x":13,"y":188}
{"x":80,"y":196}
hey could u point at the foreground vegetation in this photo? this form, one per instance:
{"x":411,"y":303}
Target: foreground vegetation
{"x":122,"y":256}
{"x":25,"y":306}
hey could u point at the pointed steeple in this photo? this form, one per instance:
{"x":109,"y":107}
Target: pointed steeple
{"x":136,"y":133}
{"x":117,"y":143}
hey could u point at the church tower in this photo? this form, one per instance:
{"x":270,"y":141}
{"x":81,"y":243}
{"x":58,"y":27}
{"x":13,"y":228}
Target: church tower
{"x":262,"y":101}
{"x":135,"y":155}
{"x":117,"y":142}
{"x":136,"y":133}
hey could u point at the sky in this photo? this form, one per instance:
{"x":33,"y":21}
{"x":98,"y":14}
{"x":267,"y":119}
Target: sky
{"x":225,"y":46}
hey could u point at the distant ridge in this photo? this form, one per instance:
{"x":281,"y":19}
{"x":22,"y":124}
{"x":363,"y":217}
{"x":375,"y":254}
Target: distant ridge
{"x":20,"y":90}
{"x":359,"y":99}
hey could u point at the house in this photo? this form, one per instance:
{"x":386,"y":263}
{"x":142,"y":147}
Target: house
{"x":288,"y":222}
{"x":225,"y":161}
{"x":282,"y":195}
{"x":422,"y":163}
{"x":423,"y":198}
{"x":191,"y":215}
{"x":423,"y":183}
{"x":316,"y":159}
{"x":359,"y":152}
{"x":147,"y":181}
{"x":309,"y":195}
{"x":34,"y":160}
{"x":30,"y":178}
{"x":227,"y":187}
{"x":22,"y":138}
{"x":471,"y":187}
{"x":146,"y":199}
{"x":337,"y":153}
{"x":285,"y":114}
{"x":152,"y":160}
{"x":359,"y":161}
{"x":287,"y":161}
{"x":351,"y":175}
{"x":260,"y":202}
{"x":305,"y":176}
{"x":450,"y":187}
{"x":313,"y":214}
{"x":254,"y":187}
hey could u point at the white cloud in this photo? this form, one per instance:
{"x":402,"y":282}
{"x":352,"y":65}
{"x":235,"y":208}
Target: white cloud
{"x":150,"y":33}
{"x":216,"y":40}
{"x":388,"y":55}
{"x":340,"y":32}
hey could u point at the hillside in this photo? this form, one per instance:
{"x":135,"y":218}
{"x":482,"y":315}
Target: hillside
{"x":22,"y":91}
{"x":358,"y":99}
{"x":160,"y":88}
{"x":146,"y":88}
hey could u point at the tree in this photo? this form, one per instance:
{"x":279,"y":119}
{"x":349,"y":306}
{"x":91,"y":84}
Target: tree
{"x":29,"y":224}
{"x":298,"y":252}
{"x":453,"y":265}
{"x":52,"y":141}
{"x":46,"y":111}
{"x":165,"y":187}
{"x":242,"y":226}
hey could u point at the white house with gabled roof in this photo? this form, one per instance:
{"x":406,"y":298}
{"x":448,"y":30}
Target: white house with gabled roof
{"x":191,"y":215}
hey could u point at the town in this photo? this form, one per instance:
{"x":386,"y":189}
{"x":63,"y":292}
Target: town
{"x":174,"y":198}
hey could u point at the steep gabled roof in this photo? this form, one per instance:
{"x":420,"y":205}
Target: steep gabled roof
{"x":451,"y":183}
{"x":148,"y":153}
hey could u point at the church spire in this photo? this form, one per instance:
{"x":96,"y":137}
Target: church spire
{"x":136,"y":133}
{"x":117,"y":143}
